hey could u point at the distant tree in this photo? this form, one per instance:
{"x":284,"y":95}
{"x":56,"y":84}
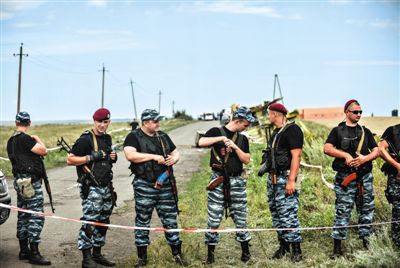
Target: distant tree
{"x":182,"y":115}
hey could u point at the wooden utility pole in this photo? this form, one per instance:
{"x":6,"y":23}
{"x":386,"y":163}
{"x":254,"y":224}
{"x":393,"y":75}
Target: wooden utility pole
{"x":19,"y":75}
{"x":276,"y":82}
{"x":173,"y":108}
{"x":159,"y":102}
{"x":133,"y":98}
{"x":102,"y":86}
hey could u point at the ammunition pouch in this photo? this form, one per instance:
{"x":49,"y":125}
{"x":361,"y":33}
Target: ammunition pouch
{"x":85,"y":182}
{"x":25,"y":187}
{"x":102,"y":172}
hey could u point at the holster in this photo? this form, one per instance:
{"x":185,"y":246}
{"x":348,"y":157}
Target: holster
{"x":85,"y":185}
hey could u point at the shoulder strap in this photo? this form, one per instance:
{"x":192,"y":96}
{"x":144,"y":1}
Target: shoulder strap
{"x":360,"y":144}
{"x":94,"y":141}
{"x":234,"y":138}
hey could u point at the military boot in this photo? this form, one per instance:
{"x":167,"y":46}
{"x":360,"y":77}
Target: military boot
{"x":98,"y":258}
{"x":245,"y":251}
{"x":177,"y":254}
{"x":296,"y":252}
{"x":24,"y":250}
{"x":337,"y":248}
{"x":284,"y":247}
{"x":210,"y":255}
{"x":142,"y":256}
{"x":365,"y":243}
{"x":35,"y":257}
{"x":88,"y":261}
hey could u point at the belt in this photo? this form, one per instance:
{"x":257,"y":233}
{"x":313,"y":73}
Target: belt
{"x":230,"y":174}
{"x":280,"y":172}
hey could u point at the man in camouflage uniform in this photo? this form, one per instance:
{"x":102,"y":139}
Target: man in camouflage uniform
{"x":93,"y":156}
{"x":354,"y":149}
{"x":25,"y":154}
{"x":152,"y":153}
{"x":229,"y":149}
{"x":391,"y":140}
{"x":282,"y":161}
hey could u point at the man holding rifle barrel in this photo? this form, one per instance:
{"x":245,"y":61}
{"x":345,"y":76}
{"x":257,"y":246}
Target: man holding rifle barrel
{"x":354,"y":149}
{"x":389,"y":148}
{"x":93,"y":157}
{"x":227,"y":187}
{"x":152,"y":155}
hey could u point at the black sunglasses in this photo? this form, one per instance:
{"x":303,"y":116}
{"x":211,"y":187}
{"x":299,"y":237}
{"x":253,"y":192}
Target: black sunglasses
{"x":356,"y":112}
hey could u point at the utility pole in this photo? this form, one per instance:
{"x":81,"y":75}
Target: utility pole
{"x":159,"y":102}
{"x":173,"y":110}
{"x":102,"y":86}
{"x":276,"y":82}
{"x":19,"y":75}
{"x":133,"y":97}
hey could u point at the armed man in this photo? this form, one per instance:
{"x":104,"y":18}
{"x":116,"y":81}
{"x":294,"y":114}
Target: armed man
{"x":93,"y":157}
{"x":25,"y":154}
{"x":281,"y":160}
{"x":389,"y":148}
{"x":152,"y":155}
{"x":227,"y":187}
{"x":354,"y":149}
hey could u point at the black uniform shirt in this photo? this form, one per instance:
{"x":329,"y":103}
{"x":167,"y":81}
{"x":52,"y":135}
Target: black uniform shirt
{"x":292,"y":138}
{"x":132,"y":141}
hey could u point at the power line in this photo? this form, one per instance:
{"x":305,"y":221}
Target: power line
{"x":102,"y":86}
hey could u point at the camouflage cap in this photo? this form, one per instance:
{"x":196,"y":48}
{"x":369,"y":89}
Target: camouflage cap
{"x":22,"y":117}
{"x":245,"y":113}
{"x":151,"y":114}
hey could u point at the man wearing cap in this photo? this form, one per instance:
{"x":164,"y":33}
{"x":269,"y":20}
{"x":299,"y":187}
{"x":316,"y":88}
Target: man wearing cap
{"x":389,"y":149}
{"x":230,"y":150}
{"x":281,"y":161}
{"x":354,"y":149}
{"x":25,"y":154}
{"x":151,"y":153}
{"x":93,"y":157}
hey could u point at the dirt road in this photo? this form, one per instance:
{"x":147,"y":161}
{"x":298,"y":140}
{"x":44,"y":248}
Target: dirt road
{"x":59,"y":237}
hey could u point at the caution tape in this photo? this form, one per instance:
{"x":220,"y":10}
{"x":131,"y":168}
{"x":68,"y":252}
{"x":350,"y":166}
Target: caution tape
{"x":189,"y":230}
{"x":328,"y":184}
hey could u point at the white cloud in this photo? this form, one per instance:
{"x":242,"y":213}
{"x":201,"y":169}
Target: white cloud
{"x":102,"y":32}
{"x":30,"y":24}
{"x":10,"y":7}
{"x":364,"y":62}
{"x":97,"y":3}
{"x":376,"y":23}
{"x":240,"y":7}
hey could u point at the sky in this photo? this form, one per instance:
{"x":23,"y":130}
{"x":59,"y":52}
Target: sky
{"x":202,"y":55}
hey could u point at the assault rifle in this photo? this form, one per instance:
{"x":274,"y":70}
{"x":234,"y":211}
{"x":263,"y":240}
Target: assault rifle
{"x":394,"y":153}
{"x":227,"y":184}
{"x":64,"y":146}
{"x":47,"y":185}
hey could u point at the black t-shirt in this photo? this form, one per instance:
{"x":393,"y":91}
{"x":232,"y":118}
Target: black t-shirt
{"x":388,"y":135}
{"x":353,"y":139}
{"x":234,"y":163}
{"x":132,"y":141}
{"x":291,"y":138}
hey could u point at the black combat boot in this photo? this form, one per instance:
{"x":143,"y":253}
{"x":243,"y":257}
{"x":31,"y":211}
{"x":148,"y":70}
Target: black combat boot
{"x":337,"y":248}
{"x":245,"y":251}
{"x":284,"y":247}
{"x":365,"y":243}
{"x":296,"y":252}
{"x":210,"y":255}
{"x":35,"y":257}
{"x":177,"y":254}
{"x":24,"y":250}
{"x":142,"y":256}
{"x":88,"y":261}
{"x":97,"y":257}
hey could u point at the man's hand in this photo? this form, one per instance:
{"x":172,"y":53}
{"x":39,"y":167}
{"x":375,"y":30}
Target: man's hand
{"x":160,"y":159}
{"x":290,"y":187}
{"x":113,"y":155}
{"x":358,"y":161}
{"x":348,"y":159}
{"x":171,"y":160}
{"x":230,"y":145}
{"x":97,"y":156}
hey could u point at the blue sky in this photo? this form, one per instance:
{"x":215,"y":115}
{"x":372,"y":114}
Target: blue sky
{"x":204,"y":55}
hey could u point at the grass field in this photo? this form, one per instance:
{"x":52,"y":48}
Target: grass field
{"x":51,"y":132}
{"x":316,"y":209}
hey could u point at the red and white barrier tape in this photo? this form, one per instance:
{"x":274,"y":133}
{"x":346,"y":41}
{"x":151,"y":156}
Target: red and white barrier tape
{"x":189,"y":230}
{"x":328,"y":184}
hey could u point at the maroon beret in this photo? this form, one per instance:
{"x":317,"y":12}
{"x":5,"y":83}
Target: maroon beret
{"x":348,"y":103}
{"x":277,"y":107}
{"x":101,"y":114}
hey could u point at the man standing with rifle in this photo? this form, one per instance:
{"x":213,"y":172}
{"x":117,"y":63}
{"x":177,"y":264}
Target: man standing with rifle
{"x":227,"y":187}
{"x":93,"y":157}
{"x":25,"y":154}
{"x":389,"y":148}
{"x":282,"y":162}
{"x":354,"y":149}
{"x":152,"y":155}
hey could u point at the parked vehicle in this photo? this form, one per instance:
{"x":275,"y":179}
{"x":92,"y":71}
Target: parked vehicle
{"x":207,"y":117}
{"x":5,"y":198}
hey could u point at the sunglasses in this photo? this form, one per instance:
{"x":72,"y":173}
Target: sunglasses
{"x":356,"y":112}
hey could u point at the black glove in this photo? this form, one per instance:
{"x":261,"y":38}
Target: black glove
{"x":96,"y":156}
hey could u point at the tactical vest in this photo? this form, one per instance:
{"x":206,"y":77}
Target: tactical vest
{"x":283,"y":157}
{"x":349,"y":144}
{"x":25,"y":163}
{"x":386,"y":167}
{"x":150,"y":170}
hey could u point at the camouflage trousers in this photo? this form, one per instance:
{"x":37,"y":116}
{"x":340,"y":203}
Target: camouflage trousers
{"x":284,"y":209}
{"x":146,"y":199}
{"x":29,"y":226}
{"x":394,"y":191}
{"x":345,"y":199}
{"x":237,"y":209}
{"x":96,"y":207}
